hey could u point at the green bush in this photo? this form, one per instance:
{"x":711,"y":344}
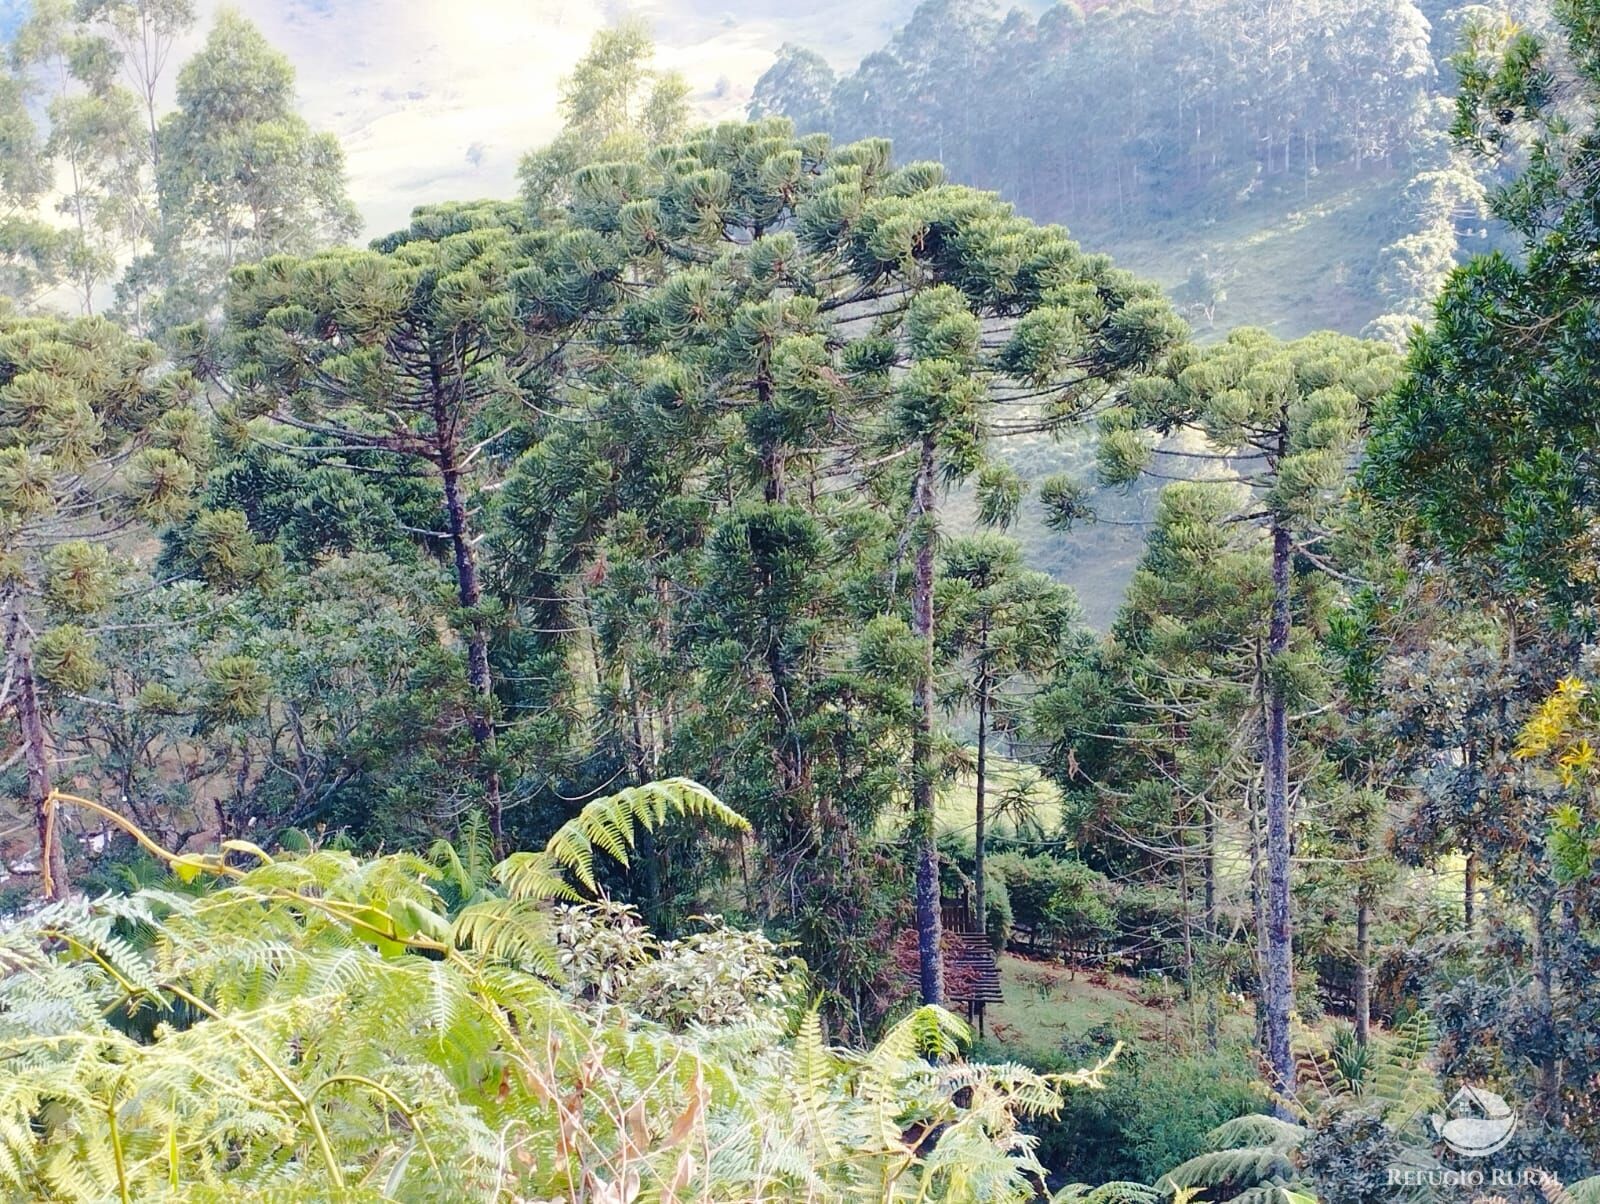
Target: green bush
{"x":1056,"y":899}
{"x":997,"y":918}
{"x":1153,"y":1114}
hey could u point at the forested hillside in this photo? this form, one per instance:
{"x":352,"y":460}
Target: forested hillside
{"x":570,"y":699}
{"x":1282,"y":165}
{"x":1182,"y":137}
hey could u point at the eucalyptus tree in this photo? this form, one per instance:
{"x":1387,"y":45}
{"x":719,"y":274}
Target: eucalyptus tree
{"x":146,"y":32}
{"x":96,"y":441}
{"x":92,"y":134}
{"x":613,"y":100}
{"x":799,"y":85}
{"x":1287,"y":418}
{"x":30,"y":247}
{"x":429,"y":353}
{"x":240,"y":175}
{"x":1006,"y":626}
{"x":1199,"y":107}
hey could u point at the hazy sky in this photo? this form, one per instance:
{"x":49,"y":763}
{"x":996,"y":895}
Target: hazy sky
{"x":437,"y":99}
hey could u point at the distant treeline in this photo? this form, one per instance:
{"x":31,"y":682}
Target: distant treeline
{"x":1130,"y":110}
{"x":1110,"y":116}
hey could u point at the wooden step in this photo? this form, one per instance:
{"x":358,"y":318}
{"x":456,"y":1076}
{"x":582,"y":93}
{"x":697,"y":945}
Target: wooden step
{"x":970,"y":952}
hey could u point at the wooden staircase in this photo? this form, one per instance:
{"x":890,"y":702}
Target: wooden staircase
{"x":970,"y":967}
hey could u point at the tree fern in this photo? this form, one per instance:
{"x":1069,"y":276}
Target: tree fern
{"x":1401,"y":1080}
{"x":1256,"y":1129}
{"x":1109,"y":1193}
{"x":321,"y":1026}
{"x":608,"y":825}
{"x":1247,"y":1154}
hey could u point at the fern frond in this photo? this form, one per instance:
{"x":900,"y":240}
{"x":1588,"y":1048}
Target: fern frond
{"x":609,"y":825}
{"x":1585,"y":1191}
{"x":1239,"y":1168}
{"x":514,"y":931}
{"x":1118,"y":1192}
{"x":1256,"y":1129}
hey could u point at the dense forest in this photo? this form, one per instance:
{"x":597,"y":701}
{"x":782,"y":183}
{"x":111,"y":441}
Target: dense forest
{"x":583,"y":697}
{"x":1285,"y":165}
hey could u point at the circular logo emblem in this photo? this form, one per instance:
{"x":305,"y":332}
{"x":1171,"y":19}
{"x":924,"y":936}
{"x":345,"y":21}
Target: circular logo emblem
{"x":1480,"y":1123}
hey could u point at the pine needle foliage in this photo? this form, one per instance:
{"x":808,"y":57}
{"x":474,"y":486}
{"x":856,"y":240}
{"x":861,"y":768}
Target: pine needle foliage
{"x":319,"y":1026}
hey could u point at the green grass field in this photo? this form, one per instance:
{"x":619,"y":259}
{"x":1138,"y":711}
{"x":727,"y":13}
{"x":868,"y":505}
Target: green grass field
{"x":1301,"y":260}
{"x":1047,"y":1005}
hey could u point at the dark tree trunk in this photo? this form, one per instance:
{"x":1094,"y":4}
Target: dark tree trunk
{"x":1548,"y":1063}
{"x":773,"y":460}
{"x":1279,"y":1000}
{"x":1210,"y":934}
{"x":1363,"y":970}
{"x":773,"y":468}
{"x":929,"y":927}
{"x":39,"y":778}
{"x":980,"y":828}
{"x":1469,"y":892}
{"x":470,"y":593}
{"x":1258,"y":914}
{"x":36,"y":757}
{"x":647,"y":859}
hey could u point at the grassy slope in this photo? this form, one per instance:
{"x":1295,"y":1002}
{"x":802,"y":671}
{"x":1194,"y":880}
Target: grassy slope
{"x":1047,"y":1005}
{"x":1295,"y":263}
{"x":958,"y":802}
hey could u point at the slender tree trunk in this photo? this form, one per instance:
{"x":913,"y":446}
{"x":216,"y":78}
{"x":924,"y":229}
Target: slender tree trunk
{"x":1258,"y":913}
{"x":773,"y":460}
{"x":1363,"y":969}
{"x":980,"y":829}
{"x":470,"y":593}
{"x":1469,"y":891}
{"x":1275,"y":772}
{"x":36,"y":753}
{"x":929,"y":927}
{"x":1210,"y":935}
{"x":647,"y":859}
{"x":1186,"y":898}
{"x":1549,"y":1062}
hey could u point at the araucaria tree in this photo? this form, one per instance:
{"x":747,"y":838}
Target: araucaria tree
{"x":1006,"y":626}
{"x":94,"y":438}
{"x":817,"y":343}
{"x":422,"y":356}
{"x":1287,"y":419}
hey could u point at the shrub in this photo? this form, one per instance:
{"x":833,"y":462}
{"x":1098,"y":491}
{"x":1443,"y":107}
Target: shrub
{"x":998,"y":919}
{"x":1055,"y":899}
{"x":1153,"y":1115}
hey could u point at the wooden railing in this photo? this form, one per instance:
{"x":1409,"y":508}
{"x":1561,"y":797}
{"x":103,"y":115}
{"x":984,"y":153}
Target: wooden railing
{"x":955,"y":916}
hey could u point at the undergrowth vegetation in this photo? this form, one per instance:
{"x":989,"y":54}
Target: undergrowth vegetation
{"x":324,"y":1026}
